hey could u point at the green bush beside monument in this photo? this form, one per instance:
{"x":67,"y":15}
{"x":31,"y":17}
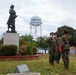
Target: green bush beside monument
{"x":8,"y":50}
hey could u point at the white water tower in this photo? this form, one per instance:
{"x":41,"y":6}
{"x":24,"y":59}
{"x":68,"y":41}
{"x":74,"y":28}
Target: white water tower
{"x":34,"y":24}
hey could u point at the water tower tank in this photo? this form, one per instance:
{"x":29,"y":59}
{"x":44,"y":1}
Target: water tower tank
{"x":35,"y":20}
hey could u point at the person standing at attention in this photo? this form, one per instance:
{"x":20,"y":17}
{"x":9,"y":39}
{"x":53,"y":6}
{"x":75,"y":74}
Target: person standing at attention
{"x":58,"y":47}
{"x":65,"y":49}
{"x":51,"y":42}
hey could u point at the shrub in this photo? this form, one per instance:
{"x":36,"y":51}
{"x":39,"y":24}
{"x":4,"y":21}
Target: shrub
{"x":32,"y":47}
{"x":8,"y":50}
{"x":23,"y":50}
{"x":34,"y":50}
{"x":27,"y":50}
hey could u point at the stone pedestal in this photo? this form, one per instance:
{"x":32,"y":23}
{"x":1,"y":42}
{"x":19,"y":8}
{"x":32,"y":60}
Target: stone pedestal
{"x":30,"y":73}
{"x":11,"y":38}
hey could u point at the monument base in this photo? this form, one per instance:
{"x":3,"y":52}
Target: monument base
{"x":11,"y":38}
{"x":11,"y":32}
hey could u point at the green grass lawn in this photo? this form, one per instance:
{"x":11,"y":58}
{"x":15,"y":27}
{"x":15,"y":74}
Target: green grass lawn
{"x":40,"y":65}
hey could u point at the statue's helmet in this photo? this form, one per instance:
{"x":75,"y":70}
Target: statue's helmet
{"x":12,"y":6}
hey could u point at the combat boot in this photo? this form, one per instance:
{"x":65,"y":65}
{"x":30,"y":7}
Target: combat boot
{"x":65,"y":68}
{"x":57,"y":62}
{"x":51,"y":64}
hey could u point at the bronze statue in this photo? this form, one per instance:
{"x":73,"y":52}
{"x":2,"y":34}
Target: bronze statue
{"x":11,"y":20}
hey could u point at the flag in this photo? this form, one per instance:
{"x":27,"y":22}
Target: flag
{"x":60,"y":48}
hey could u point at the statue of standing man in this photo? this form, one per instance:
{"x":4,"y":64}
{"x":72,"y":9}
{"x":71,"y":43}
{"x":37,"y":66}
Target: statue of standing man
{"x":11,"y":20}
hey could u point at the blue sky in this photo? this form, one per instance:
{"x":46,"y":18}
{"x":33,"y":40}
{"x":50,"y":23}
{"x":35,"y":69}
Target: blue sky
{"x":53,"y":13}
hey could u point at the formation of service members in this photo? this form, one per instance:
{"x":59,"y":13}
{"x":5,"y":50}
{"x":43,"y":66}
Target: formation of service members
{"x":59,"y":46}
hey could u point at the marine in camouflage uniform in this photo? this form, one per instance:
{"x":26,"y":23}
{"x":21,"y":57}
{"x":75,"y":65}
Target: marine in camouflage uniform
{"x":65,"y":51}
{"x":58,"y":44}
{"x":51,"y":41}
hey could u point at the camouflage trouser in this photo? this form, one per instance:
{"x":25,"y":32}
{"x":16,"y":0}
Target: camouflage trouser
{"x":51,"y":55}
{"x":65,"y":58}
{"x":57,"y":56}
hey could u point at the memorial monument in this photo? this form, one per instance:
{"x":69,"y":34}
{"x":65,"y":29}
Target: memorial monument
{"x":11,"y":20}
{"x":11,"y":36}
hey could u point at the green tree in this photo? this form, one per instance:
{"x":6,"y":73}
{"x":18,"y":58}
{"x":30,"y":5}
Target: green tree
{"x":72,"y":33}
{"x":32,"y":47}
{"x":70,"y":29}
{"x":29,"y":45}
{"x":41,"y":42}
{"x":25,"y":38}
{"x":1,"y":41}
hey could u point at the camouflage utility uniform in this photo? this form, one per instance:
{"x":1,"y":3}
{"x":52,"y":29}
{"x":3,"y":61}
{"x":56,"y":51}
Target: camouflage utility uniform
{"x":65,"y":51}
{"x":58,"y":52}
{"x":51,"y":41}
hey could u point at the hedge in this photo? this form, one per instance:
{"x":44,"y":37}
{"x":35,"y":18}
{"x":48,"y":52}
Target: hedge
{"x":8,"y":50}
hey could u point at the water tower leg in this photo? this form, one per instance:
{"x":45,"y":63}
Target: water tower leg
{"x":30,"y":29}
{"x":40,"y":30}
{"x":35,"y":32}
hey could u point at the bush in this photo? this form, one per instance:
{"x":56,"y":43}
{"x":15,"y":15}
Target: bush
{"x":31,"y":46}
{"x":27,"y":50}
{"x":34,"y":50}
{"x":23,"y":50}
{"x":8,"y":50}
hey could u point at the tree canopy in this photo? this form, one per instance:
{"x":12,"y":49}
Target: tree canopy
{"x":72,"y":33}
{"x":70,"y":29}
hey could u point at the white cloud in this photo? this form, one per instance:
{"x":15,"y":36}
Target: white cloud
{"x":54,"y":13}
